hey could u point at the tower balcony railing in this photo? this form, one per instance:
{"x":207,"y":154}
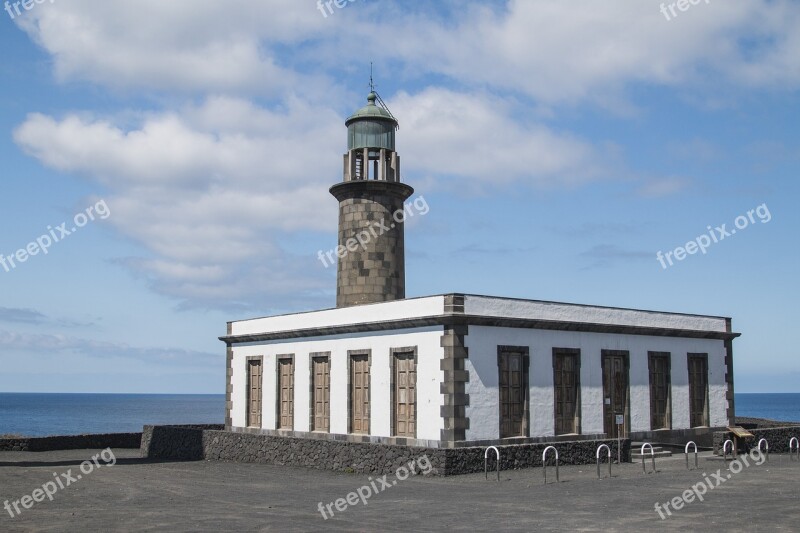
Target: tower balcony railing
{"x":381,"y":165}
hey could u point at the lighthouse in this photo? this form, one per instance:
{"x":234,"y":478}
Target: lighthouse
{"x":454,"y":373}
{"x":371,"y":265}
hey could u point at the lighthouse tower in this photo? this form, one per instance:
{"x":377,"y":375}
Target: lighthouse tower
{"x":371,"y":265}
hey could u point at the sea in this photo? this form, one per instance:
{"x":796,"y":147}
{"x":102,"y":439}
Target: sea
{"x":783,"y":407}
{"x":37,"y":415}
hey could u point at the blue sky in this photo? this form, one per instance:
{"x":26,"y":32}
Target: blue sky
{"x":559,"y":145}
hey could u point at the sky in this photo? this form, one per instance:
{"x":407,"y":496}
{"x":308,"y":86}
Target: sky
{"x":166,"y":165}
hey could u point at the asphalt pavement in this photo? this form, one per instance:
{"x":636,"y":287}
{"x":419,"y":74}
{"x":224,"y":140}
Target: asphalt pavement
{"x":136,"y":494}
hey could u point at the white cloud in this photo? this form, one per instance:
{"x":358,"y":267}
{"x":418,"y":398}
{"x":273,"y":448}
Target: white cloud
{"x":584,"y":51}
{"x":486,"y":139}
{"x":573,"y":51}
{"x":215,"y":191}
{"x":180,"y":44}
{"x":57,"y":343}
{"x":605,"y":255}
{"x":660,"y":187}
{"x":32,"y":316}
{"x":24,"y":316}
{"x":211,"y":191}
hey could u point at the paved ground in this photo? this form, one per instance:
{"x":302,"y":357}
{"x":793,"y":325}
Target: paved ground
{"x":136,"y":495}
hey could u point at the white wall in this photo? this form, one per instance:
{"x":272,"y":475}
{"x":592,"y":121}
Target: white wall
{"x":238,"y":393}
{"x":483,"y":411}
{"x":482,"y":343}
{"x":429,"y":375}
{"x":477,"y":305}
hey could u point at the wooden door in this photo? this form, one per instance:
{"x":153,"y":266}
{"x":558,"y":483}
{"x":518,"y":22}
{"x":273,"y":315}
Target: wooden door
{"x":321,"y":402}
{"x":359,"y":394}
{"x":698,"y":390}
{"x":254,"y":375}
{"x":615,"y":392}
{"x":285,"y":393}
{"x":405,"y":395}
{"x":659,"y":392}
{"x":513,"y":395}
{"x":565,"y":374}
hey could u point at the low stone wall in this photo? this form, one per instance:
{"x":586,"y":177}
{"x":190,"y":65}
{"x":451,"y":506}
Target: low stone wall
{"x":188,"y":444}
{"x":175,"y":442}
{"x":677,"y":438}
{"x":71,"y":442}
{"x":516,"y":456}
{"x":748,"y":422}
{"x":777,"y":438}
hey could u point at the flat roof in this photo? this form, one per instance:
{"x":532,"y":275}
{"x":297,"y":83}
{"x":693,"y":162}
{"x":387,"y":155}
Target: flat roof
{"x":477,"y":309}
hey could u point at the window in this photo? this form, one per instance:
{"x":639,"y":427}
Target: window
{"x":660,"y":390}
{"x":566,"y":381}
{"x":513,"y":363}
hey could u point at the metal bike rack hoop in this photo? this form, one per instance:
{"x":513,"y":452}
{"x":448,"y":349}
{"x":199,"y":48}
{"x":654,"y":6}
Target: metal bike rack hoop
{"x":652,"y":456}
{"x":725,"y":449}
{"x":686,"y":452}
{"x":766,"y":444}
{"x":486,"y":462}
{"x":796,"y":449}
{"x":597,"y":455}
{"x":544,"y":462}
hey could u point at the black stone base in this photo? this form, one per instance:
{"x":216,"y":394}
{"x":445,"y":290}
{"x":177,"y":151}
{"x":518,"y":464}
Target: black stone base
{"x":188,"y":444}
{"x":72,"y":442}
{"x":677,"y":438}
{"x":777,"y":439}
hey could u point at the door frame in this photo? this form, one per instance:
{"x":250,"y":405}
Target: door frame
{"x":247,"y":421}
{"x":626,"y":357}
{"x":524,"y":352}
{"x":707,"y":407}
{"x":668,"y":408}
{"x":311,"y":391}
{"x":278,"y":359}
{"x":350,"y":355}
{"x":578,"y":412}
{"x":394,"y":352}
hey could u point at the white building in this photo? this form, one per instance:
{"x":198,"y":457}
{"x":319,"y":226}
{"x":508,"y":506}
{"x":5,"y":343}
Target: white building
{"x":454,"y":370}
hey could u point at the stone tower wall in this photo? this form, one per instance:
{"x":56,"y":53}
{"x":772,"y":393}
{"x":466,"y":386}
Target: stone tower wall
{"x":371,"y":265}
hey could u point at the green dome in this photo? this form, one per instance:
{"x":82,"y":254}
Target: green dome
{"x":371,"y":111}
{"x":371,"y":127}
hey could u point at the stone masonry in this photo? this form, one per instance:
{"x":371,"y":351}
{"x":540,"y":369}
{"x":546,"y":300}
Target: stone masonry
{"x":71,"y":442}
{"x":371,"y":266}
{"x":777,"y":439}
{"x":197,"y":444}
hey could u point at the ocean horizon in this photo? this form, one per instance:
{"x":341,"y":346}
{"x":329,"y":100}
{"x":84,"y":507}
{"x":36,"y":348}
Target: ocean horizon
{"x":43,"y":414}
